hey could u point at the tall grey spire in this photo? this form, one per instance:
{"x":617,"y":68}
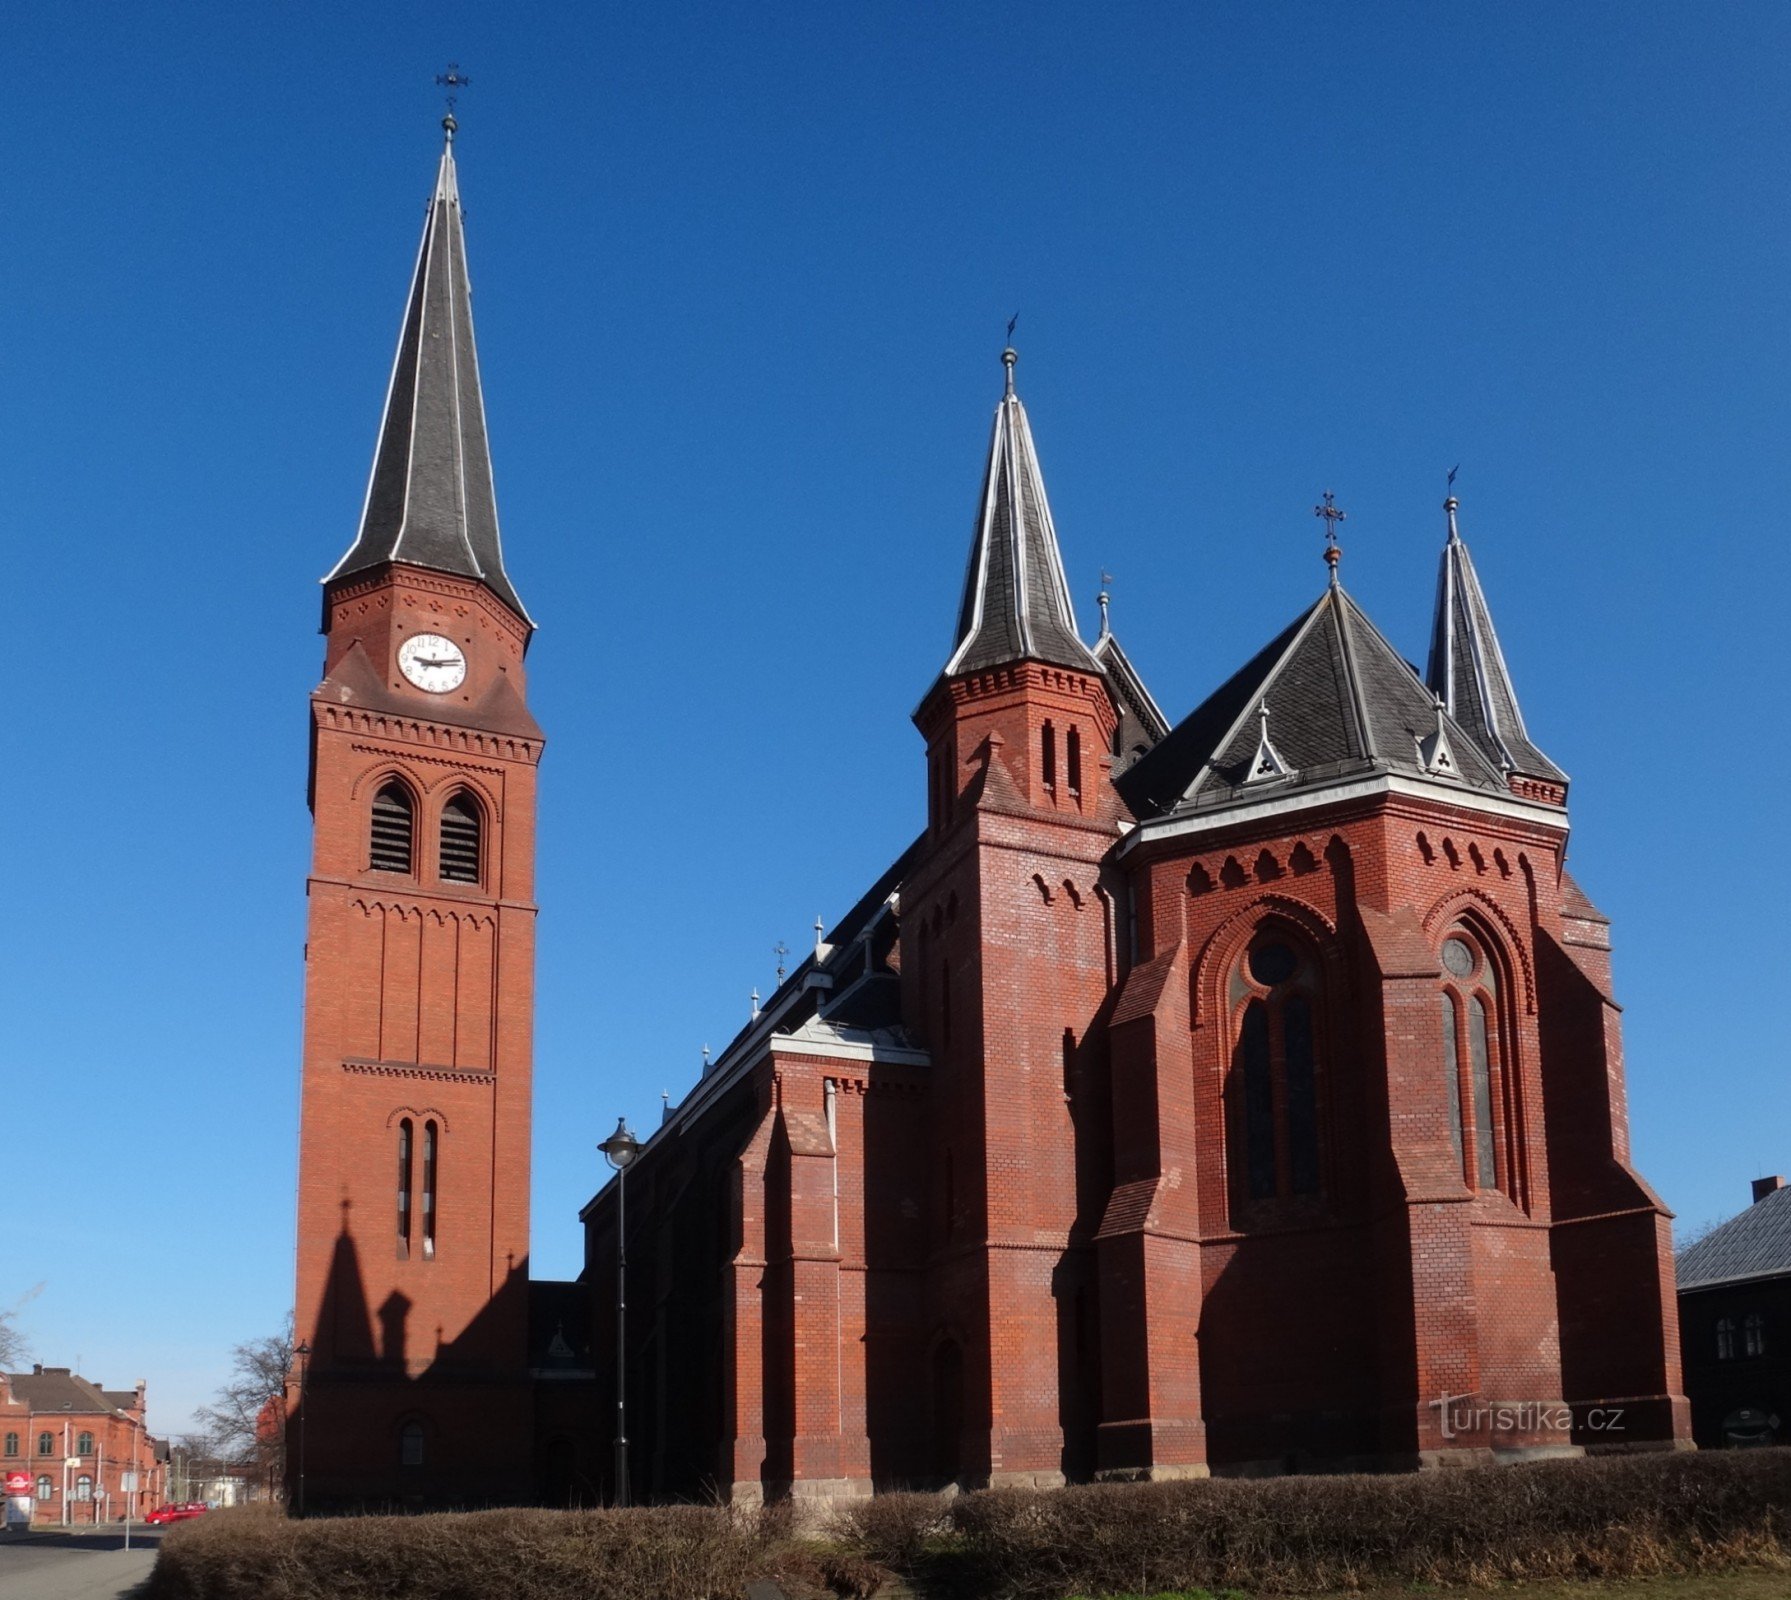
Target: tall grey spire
{"x":1016,"y":601}
{"x":430,"y":500}
{"x":1467,"y":668}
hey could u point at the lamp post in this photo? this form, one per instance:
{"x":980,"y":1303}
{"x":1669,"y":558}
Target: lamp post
{"x":619,"y":1150}
{"x":303,"y":1352}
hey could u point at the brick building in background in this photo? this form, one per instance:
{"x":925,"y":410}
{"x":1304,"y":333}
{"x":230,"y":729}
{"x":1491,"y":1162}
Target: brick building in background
{"x":77,"y":1442}
{"x":1243,"y":1094}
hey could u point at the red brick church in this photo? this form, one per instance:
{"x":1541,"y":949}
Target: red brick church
{"x":1242,"y":1094}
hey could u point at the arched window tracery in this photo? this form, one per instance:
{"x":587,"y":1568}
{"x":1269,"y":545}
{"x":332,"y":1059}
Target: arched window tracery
{"x":1483,"y":1113}
{"x":1276,"y":1068}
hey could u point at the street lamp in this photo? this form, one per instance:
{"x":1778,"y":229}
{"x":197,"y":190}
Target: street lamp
{"x":303,"y":1352}
{"x":619,"y":1150}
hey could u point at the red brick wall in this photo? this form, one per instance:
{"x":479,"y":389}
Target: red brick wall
{"x":418,"y":1006}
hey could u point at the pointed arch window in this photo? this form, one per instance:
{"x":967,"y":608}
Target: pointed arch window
{"x":404,"y":1175}
{"x":1275,"y":1069}
{"x":460,"y":839}
{"x":393,"y":830}
{"x":431,"y":1176}
{"x":1482,"y":1111}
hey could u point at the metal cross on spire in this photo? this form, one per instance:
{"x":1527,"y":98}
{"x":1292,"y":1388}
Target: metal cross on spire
{"x":453,"y":80}
{"x":1328,"y":510}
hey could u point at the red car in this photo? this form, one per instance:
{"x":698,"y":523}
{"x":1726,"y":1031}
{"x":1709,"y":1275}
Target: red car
{"x":178,"y":1513}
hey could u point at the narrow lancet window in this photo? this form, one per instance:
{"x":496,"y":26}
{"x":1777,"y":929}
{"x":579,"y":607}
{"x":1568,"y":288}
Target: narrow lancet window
{"x":1072,"y":743}
{"x":431,"y":1176}
{"x":404,"y":1159}
{"x":394,"y":824}
{"x":1259,"y":1102}
{"x":460,"y":840}
{"x":1049,"y":760}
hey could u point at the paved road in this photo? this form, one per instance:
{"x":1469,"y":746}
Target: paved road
{"x":74,"y":1566}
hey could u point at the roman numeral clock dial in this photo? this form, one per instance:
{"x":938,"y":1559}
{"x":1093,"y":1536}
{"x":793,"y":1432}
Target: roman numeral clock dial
{"x":434,"y":664}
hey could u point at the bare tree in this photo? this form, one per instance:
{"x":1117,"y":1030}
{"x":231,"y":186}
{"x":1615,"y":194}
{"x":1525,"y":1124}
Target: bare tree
{"x":246,"y":1422}
{"x":13,"y":1345}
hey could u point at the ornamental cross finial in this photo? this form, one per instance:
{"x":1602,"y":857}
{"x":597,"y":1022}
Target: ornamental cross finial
{"x":782,"y":952}
{"x":1327,"y":509}
{"x":452,"y":80}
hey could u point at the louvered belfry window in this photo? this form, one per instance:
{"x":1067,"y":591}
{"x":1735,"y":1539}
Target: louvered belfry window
{"x":460,"y":840}
{"x":394,"y":823}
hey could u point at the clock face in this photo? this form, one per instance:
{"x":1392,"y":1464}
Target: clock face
{"x":432,"y":663}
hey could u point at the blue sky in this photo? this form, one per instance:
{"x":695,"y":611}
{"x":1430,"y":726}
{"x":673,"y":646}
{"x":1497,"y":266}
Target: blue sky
{"x":741,"y":278}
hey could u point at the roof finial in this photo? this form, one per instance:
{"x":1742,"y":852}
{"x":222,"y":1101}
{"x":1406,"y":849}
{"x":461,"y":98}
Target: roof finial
{"x":1328,"y":510}
{"x":451,"y":80}
{"x":820,"y":929}
{"x":1009,"y":356}
{"x":782,"y":952}
{"x":1450,"y":504}
{"x":1102,"y":600}
{"x":755,"y":1005}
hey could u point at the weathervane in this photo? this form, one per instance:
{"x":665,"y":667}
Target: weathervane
{"x":1327,"y":509}
{"x":452,"y":80}
{"x":782,"y":952}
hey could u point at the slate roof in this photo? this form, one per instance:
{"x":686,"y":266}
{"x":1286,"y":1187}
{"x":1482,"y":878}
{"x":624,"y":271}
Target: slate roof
{"x":1756,"y":1244}
{"x":1467,"y":668}
{"x":59,"y":1389}
{"x":1340,"y":699}
{"x":430,"y":499}
{"x":1016,"y":604}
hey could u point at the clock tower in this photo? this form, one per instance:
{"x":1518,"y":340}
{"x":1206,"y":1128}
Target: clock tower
{"x":413,"y":1202}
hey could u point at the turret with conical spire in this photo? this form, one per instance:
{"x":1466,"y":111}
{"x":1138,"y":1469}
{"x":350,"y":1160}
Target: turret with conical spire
{"x":1016,"y":603}
{"x":1468,"y":672}
{"x":430,"y":500}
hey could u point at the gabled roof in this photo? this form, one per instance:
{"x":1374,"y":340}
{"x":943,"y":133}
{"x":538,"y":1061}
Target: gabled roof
{"x":1467,"y":668}
{"x":1756,"y":1244}
{"x":58,"y":1389}
{"x":1016,"y":604}
{"x":1339,"y":697}
{"x":430,"y":499}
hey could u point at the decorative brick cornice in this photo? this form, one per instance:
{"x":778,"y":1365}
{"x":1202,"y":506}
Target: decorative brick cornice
{"x":406,"y":1069}
{"x":421,"y":731}
{"x":473,"y":596}
{"x":429,"y":761}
